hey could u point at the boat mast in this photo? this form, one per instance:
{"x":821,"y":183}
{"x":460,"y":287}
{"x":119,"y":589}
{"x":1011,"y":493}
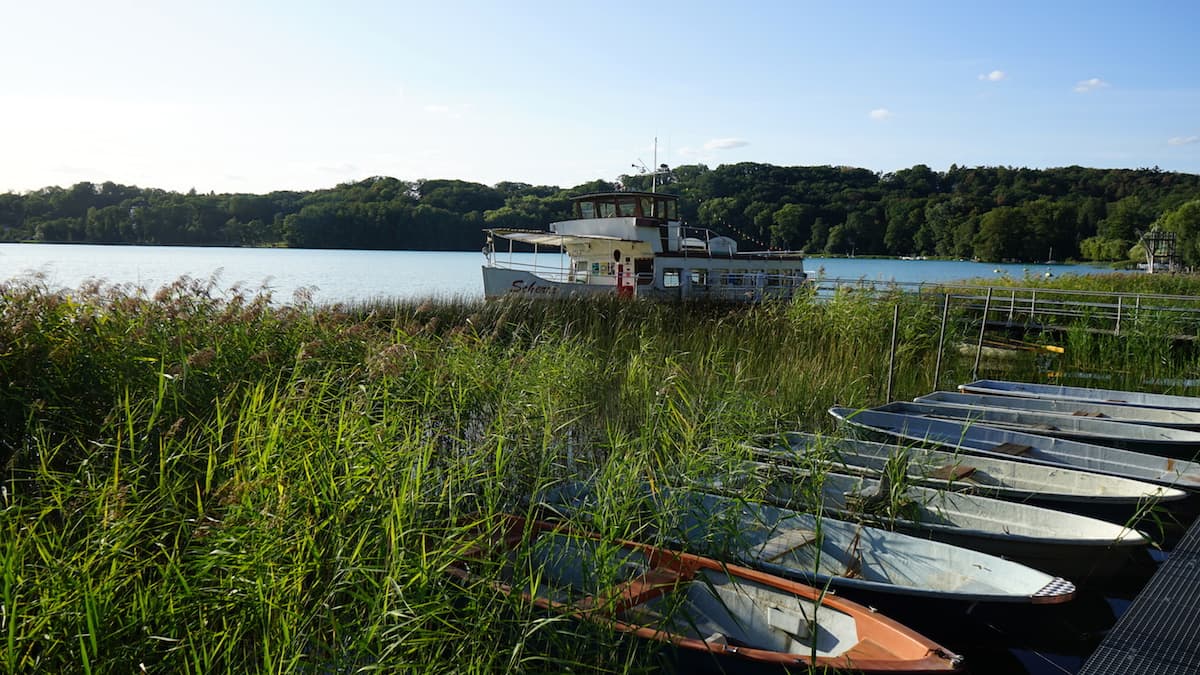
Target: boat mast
{"x":654,"y":172}
{"x":654,"y":176}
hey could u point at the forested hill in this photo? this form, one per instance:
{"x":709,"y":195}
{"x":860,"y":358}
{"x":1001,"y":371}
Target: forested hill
{"x":991,"y":213}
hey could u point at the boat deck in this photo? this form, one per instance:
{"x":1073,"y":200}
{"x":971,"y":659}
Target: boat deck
{"x":1160,"y":633}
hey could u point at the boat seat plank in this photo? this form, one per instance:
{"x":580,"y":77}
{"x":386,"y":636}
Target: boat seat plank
{"x":785,"y":542}
{"x":952,"y":472}
{"x":1012,"y":448}
{"x":870,"y":649}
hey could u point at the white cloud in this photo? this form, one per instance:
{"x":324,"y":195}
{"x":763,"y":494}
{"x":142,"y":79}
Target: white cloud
{"x":994,"y":76}
{"x":725,"y":144}
{"x":880,"y":114}
{"x":1092,"y":84}
{"x":437,"y":109}
{"x":1183,"y":140}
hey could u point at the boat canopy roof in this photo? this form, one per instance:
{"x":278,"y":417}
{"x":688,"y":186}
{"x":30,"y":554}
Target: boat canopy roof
{"x":653,"y":205}
{"x":550,"y":238}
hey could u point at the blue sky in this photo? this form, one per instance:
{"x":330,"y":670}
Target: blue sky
{"x":244,"y":96}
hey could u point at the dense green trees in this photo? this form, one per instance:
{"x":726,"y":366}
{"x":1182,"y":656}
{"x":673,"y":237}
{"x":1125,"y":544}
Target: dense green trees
{"x":992,"y":213}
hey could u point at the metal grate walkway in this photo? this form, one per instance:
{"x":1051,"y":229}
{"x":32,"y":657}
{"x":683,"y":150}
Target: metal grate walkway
{"x":1160,"y":633}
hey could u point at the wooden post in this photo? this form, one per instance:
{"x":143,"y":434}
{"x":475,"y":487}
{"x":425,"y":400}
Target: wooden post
{"x":892,"y":358}
{"x":987,"y":304}
{"x":1118,"y":331}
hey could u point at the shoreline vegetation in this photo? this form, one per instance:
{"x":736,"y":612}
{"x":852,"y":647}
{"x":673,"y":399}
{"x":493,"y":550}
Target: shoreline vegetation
{"x":202,"y":481}
{"x":986,"y":213}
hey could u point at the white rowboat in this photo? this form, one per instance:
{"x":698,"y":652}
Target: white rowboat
{"x":1065,"y":544}
{"x":1084,"y":492}
{"x":1155,"y":440}
{"x":1063,"y":393}
{"x":984,"y":440}
{"x":1159,"y":417}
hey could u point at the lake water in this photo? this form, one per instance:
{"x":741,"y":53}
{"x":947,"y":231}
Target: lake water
{"x":341,"y":276}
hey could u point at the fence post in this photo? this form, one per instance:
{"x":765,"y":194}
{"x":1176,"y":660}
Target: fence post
{"x":937,"y":369}
{"x":1118,"y":331}
{"x":892,"y":358}
{"x":987,"y":304}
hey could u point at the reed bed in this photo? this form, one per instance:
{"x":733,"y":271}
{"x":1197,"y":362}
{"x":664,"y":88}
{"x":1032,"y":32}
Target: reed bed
{"x":204,"y":480}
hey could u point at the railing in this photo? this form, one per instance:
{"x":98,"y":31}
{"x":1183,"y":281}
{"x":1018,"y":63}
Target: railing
{"x":1042,"y":307}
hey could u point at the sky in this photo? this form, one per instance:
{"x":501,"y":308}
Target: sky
{"x":254,"y":96}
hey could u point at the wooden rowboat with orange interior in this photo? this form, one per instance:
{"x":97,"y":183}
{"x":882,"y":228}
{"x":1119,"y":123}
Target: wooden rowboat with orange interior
{"x":741,"y":617}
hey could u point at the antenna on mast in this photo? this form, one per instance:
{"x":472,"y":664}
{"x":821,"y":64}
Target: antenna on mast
{"x":659,"y":169}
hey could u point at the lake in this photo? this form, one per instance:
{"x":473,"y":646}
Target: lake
{"x":345,"y":276}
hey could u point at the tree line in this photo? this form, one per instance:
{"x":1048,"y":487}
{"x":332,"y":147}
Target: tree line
{"x":990,"y":213}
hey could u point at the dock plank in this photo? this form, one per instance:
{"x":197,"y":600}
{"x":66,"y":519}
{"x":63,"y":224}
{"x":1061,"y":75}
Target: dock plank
{"x":1160,"y":632}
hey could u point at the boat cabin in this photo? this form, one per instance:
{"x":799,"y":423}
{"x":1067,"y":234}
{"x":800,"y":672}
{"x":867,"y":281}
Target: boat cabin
{"x":627,"y":204}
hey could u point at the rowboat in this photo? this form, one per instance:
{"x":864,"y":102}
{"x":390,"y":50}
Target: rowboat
{"x":984,"y":440}
{"x":868,"y":562}
{"x":1097,"y":495}
{"x":1065,"y":544}
{"x":1063,"y":393}
{"x":1154,"y":440}
{"x":1159,"y":417}
{"x":738,"y":616}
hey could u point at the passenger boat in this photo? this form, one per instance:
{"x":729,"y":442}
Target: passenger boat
{"x":984,"y":440}
{"x":700,"y":607}
{"x":873,"y":564}
{"x":633,"y":244}
{"x":1159,"y":417}
{"x":1076,"y":547}
{"x":1180,"y":443}
{"x":1087,"y":493}
{"x":1062,"y":393}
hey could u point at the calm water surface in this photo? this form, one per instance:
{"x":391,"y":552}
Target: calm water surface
{"x":340,"y":276}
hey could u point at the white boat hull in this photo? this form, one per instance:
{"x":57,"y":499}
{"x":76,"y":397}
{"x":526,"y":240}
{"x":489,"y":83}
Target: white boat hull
{"x":1159,"y":417}
{"x":1155,"y":440}
{"x":1063,"y":393}
{"x":1098,"y":495}
{"x":499,"y":282}
{"x":992,"y":441}
{"x":1072,"y":546}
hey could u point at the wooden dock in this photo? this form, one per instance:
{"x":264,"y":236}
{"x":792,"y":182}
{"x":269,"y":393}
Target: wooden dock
{"x":1160,"y":633}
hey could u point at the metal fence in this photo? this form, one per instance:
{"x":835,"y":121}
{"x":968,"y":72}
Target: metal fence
{"x":1115,"y":312}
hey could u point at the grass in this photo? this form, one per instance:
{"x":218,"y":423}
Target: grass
{"x":205,"y":480}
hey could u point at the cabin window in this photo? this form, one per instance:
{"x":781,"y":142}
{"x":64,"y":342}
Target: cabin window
{"x":665,"y":208}
{"x":587,"y":210}
{"x":671,"y":276}
{"x":719,"y":277}
{"x":699,"y":278}
{"x":647,"y":207}
{"x":774,"y":279}
{"x":626,"y":208}
{"x":607,"y":209}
